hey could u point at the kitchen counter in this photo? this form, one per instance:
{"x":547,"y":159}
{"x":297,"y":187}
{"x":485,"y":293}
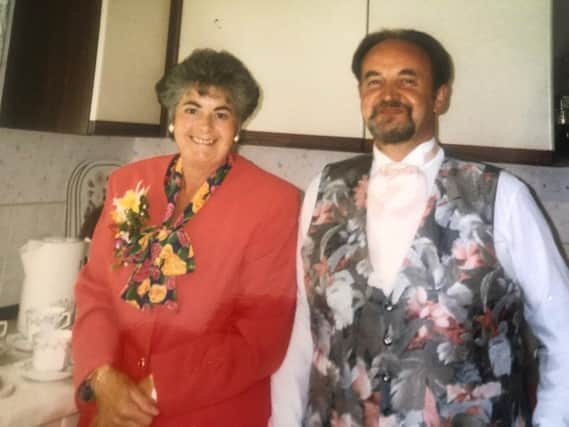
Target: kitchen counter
{"x":34,"y":403}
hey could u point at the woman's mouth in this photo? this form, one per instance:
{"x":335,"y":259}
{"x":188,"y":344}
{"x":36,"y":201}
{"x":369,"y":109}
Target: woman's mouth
{"x":202,"y":141}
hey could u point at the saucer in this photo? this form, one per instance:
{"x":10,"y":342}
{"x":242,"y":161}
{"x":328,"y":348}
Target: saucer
{"x":28,"y":372}
{"x":19,"y":342}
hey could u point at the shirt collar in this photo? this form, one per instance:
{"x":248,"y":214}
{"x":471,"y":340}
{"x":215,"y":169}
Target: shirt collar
{"x":420,"y":156}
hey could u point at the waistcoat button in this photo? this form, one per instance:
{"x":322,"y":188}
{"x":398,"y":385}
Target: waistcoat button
{"x":389,"y":307}
{"x":386,"y":378}
{"x":387,"y":340}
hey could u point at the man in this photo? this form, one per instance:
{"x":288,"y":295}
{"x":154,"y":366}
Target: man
{"x":418,"y":268}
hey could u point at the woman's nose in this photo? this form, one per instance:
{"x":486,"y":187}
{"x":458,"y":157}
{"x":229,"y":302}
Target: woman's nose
{"x":205,"y":122}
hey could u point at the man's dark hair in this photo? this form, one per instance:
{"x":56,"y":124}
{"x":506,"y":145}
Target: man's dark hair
{"x":441,"y":62}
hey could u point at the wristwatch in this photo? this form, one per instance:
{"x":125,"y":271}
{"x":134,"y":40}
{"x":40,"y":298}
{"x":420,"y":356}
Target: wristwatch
{"x":86,"y":392}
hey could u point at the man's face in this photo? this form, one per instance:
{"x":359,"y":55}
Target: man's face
{"x":398,"y":102}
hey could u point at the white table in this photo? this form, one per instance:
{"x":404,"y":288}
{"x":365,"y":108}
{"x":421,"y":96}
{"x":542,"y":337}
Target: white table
{"x":46,"y":404}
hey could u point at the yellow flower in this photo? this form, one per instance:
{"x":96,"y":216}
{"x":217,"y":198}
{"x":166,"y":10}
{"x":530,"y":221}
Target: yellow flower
{"x":157,"y":293}
{"x":133,"y":303}
{"x":143,"y":241}
{"x":173,"y":264}
{"x":178,"y":167}
{"x":162,"y":234}
{"x":143,"y":288}
{"x":118,"y":216}
{"x":131,"y":200}
{"x":198,"y":199}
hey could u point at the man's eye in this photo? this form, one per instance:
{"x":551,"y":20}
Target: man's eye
{"x":191,"y":110}
{"x":409,"y":82}
{"x":222,"y":116}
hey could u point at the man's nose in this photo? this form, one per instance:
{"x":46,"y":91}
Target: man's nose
{"x":390,"y":92}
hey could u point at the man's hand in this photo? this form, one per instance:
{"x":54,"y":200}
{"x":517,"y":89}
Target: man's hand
{"x":120,"y":401}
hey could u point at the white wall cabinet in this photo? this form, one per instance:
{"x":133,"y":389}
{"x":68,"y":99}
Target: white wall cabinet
{"x":298,"y":50}
{"x":130,"y":59}
{"x":86,"y":66}
{"x":502,"y":53}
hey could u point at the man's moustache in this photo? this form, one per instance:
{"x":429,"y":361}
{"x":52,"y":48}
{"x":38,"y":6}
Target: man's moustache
{"x":378,"y":108}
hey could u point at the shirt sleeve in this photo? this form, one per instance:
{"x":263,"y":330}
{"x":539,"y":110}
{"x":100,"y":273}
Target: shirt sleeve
{"x":289,"y":385}
{"x":527,"y":249}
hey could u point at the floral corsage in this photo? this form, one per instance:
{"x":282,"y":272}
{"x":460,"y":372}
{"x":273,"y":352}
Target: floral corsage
{"x":129,"y":217}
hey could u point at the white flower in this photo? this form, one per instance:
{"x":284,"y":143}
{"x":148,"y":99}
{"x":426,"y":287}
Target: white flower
{"x":339,"y":298}
{"x":130,"y":201}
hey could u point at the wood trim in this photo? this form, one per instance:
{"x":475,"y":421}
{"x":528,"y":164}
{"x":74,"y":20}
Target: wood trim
{"x":501,"y":155}
{"x":9,"y":312}
{"x":360,"y":145}
{"x":101,"y":127}
{"x":316,"y":142}
{"x":172,"y":51}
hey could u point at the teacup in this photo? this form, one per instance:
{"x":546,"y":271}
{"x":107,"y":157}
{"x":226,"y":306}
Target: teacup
{"x":47,"y":319}
{"x":52,"y":350}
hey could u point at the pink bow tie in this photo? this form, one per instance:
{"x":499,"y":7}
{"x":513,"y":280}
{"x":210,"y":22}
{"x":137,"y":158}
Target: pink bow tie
{"x":397,"y":198}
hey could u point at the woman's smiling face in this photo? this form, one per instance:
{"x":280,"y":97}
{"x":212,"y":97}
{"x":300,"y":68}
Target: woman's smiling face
{"x":205,"y":123}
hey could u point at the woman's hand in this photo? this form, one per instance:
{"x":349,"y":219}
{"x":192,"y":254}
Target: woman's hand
{"x":120,"y":401}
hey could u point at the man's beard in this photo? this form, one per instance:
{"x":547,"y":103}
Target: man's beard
{"x":384,"y":131}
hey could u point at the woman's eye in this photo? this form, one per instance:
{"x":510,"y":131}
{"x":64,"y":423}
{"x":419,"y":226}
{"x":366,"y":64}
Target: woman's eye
{"x":191,"y":110}
{"x":222,"y":116}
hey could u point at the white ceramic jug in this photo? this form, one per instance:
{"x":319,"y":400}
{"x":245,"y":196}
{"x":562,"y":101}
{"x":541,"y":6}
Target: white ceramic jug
{"x":50,"y":270}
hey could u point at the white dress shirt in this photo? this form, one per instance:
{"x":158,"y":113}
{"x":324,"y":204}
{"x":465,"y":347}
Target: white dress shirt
{"x":525,"y":247}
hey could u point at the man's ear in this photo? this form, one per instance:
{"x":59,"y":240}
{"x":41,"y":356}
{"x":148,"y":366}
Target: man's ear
{"x":442,"y":98}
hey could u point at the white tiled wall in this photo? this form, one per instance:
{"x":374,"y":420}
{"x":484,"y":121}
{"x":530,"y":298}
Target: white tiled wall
{"x":35,"y":166}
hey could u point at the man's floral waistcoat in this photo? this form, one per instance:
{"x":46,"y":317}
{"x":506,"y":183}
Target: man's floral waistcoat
{"x":443,"y":348}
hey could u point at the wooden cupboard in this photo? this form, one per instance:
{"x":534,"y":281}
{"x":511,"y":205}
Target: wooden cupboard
{"x":86,"y":66}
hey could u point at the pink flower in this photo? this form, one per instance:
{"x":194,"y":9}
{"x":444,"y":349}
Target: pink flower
{"x":371,"y":410}
{"x":430,"y":413}
{"x":155,"y":250}
{"x":169,"y":211}
{"x":171,"y":305}
{"x":360,"y":382}
{"x":322,"y":213}
{"x":345,"y":420}
{"x":360,"y":194}
{"x":469,"y":255}
{"x":171,"y":283}
{"x":183,"y":237}
{"x":142,"y":273}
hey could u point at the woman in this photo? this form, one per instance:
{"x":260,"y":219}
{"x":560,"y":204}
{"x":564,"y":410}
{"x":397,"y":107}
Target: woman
{"x":185,"y":307}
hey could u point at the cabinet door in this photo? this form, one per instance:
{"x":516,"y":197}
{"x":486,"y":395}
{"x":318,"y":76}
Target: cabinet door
{"x":130,"y":59}
{"x":502,"y":92}
{"x":50,"y":65}
{"x":298,"y":50}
